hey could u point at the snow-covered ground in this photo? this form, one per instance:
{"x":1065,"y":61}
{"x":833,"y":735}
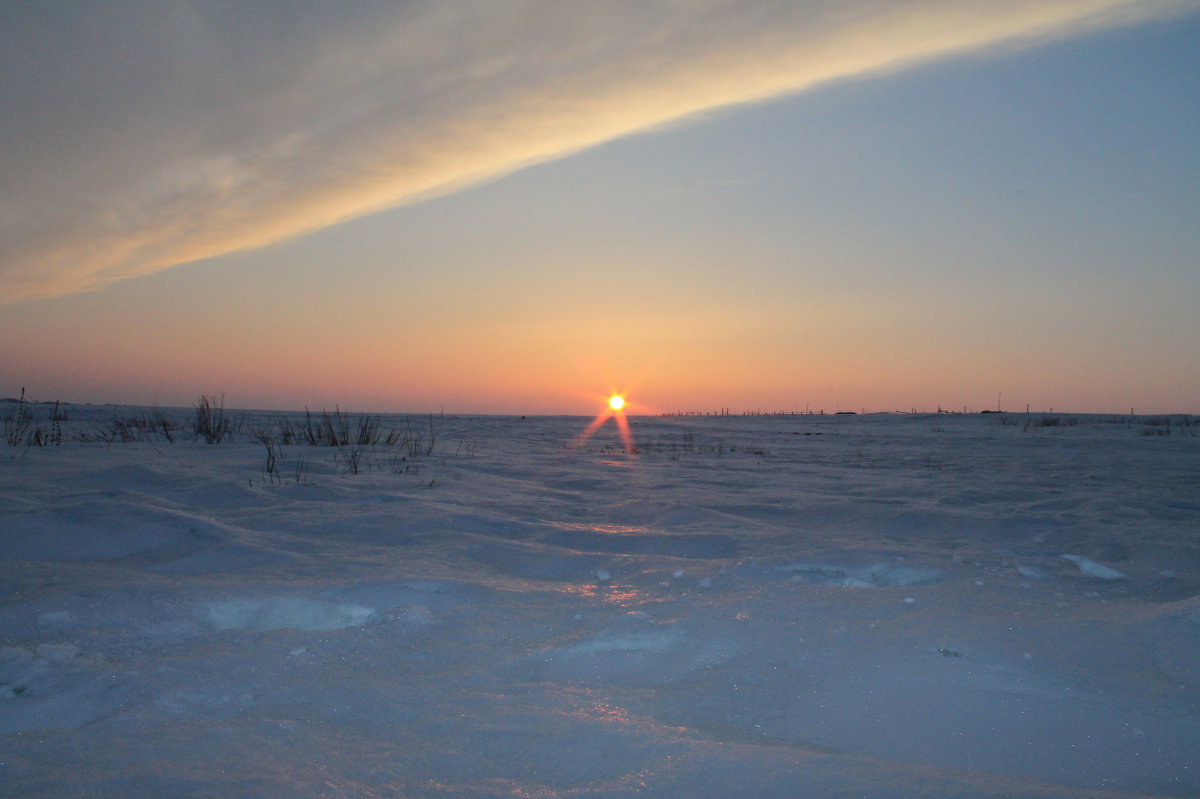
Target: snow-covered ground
{"x":878,"y":606}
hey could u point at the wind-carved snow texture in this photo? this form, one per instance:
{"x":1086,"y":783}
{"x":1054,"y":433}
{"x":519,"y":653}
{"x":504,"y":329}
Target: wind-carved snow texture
{"x":770,"y":606}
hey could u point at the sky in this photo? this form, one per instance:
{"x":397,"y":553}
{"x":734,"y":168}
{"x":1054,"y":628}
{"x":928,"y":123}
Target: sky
{"x":521,"y":207}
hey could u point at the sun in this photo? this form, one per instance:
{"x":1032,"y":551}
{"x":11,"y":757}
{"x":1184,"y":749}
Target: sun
{"x":614,"y":408}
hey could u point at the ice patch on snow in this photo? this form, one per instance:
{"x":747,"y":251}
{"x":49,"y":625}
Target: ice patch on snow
{"x":284,"y":613}
{"x":639,"y":652}
{"x":55,"y":619}
{"x":657,"y":640}
{"x":863,"y":576}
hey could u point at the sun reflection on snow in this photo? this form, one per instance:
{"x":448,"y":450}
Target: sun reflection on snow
{"x":605,"y":710}
{"x":614,"y":529}
{"x":622,"y":596}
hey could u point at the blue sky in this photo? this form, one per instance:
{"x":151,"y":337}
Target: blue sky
{"x":747,"y":205}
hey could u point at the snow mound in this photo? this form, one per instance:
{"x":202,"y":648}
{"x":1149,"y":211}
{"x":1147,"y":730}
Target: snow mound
{"x":1090,"y":568}
{"x":284,"y":613}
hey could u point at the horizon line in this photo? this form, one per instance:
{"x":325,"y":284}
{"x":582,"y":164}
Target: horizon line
{"x":720,"y":411}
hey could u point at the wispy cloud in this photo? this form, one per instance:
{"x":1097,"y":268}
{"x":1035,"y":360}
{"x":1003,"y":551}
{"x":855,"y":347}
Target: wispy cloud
{"x":139,"y":136}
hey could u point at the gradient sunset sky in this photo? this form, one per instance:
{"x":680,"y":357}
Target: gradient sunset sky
{"x":520,"y":206}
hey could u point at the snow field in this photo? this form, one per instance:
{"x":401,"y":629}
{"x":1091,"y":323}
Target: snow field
{"x":878,"y":606}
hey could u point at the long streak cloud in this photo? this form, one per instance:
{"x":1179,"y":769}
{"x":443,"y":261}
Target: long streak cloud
{"x":143,"y":135}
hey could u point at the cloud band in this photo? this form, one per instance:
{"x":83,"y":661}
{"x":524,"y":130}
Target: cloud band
{"x":171,"y":134}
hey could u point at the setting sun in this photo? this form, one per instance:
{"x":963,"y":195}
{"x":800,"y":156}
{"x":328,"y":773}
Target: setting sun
{"x":614,"y":408}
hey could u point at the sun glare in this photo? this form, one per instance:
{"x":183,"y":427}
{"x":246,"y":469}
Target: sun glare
{"x":614,"y":408}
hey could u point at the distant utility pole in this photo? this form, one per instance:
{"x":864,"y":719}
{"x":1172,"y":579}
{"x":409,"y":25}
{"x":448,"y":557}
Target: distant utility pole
{"x":999,"y":396}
